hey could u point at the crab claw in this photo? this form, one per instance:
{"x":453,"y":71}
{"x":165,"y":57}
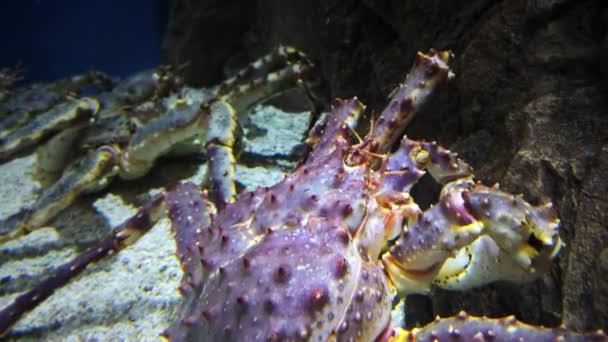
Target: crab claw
{"x":474,"y":236}
{"x":529,"y":234}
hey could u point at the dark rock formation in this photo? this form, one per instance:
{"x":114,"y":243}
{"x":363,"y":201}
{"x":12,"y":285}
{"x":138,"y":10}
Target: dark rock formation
{"x":527,"y":108}
{"x":204,"y":34}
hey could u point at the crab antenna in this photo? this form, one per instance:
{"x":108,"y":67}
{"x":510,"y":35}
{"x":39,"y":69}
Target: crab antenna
{"x":359,"y":139}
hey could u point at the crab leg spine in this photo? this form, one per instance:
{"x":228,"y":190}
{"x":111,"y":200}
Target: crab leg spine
{"x":123,"y":235}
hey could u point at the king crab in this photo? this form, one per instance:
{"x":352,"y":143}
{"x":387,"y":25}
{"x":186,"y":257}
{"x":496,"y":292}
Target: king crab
{"x":321,"y":254}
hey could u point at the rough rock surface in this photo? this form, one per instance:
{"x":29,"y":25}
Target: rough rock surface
{"x":129,"y":296}
{"x":526,"y":109}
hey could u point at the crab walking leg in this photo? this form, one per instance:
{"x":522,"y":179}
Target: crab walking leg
{"x":157,"y":137}
{"x":219,"y":145}
{"x":269,"y":85}
{"x":323,"y":136}
{"x":408,"y":164}
{"x":428,"y":72}
{"x":279,"y":58}
{"x":55,"y":154}
{"x":185,"y":121}
{"x":190,"y":213}
{"x":188,"y":209}
{"x":463,"y":327}
{"x":91,"y":174}
{"x":13,"y":121}
{"x":20,"y":109}
{"x":123,"y":235}
{"x":65,"y":115}
{"x":112,"y":120}
{"x":182,"y":121}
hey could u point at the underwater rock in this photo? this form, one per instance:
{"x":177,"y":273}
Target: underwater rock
{"x":287,"y":129}
{"x":189,"y":36}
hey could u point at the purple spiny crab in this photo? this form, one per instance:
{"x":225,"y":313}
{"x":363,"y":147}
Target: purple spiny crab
{"x":321,"y":255}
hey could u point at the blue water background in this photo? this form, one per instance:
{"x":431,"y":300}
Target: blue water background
{"x":55,"y":39}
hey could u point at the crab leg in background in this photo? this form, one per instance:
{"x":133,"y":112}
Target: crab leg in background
{"x":23,"y":106}
{"x":262,"y":80}
{"x":65,"y":115}
{"x":91,"y":174}
{"x":112,"y":124}
{"x":217,"y":120}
